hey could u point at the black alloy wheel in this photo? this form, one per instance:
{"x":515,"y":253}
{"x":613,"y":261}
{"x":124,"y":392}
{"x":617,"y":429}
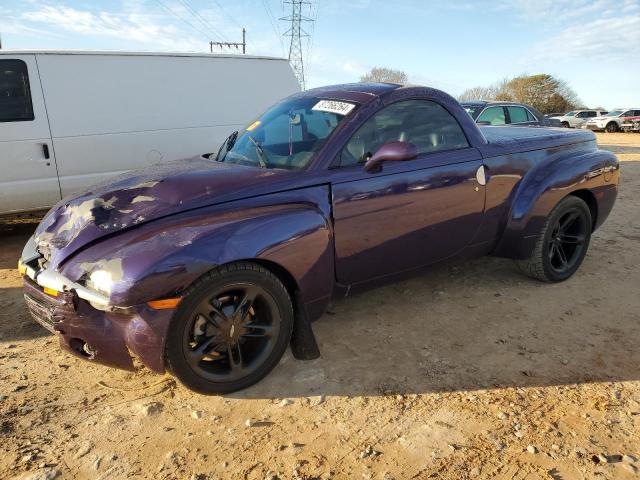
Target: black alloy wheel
{"x":566,"y":243}
{"x":230,"y":330}
{"x":563,"y":242}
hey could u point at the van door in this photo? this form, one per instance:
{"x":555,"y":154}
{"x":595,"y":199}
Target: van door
{"x":28,"y":178}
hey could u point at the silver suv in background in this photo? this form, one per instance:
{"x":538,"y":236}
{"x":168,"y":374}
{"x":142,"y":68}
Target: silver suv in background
{"x":612,"y":122}
{"x":576,"y":118}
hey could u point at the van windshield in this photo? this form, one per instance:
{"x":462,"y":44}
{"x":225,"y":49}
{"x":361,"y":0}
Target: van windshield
{"x":288,"y":135}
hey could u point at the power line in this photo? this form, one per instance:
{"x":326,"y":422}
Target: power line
{"x":296,"y":32}
{"x":314,"y":16}
{"x":273,"y":23}
{"x":205,"y":34}
{"x":227,"y":14}
{"x":203,"y":20}
{"x":242,"y":44}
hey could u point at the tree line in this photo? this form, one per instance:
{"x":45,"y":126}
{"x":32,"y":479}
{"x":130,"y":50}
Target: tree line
{"x":544,"y":92}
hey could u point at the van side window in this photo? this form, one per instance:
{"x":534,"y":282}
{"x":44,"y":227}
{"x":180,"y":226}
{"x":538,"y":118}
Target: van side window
{"x":15,"y":95}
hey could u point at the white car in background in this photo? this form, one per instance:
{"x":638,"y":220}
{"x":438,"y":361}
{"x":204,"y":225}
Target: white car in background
{"x":576,"y":118}
{"x":611,"y":122}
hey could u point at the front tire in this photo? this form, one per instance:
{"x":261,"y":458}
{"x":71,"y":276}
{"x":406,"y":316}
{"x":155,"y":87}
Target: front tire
{"x":565,"y":124}
{"x":230,"y":330}
{"x":612,"y":127}
{"x":563,"y":243}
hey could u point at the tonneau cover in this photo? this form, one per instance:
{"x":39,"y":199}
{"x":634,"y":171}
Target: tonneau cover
{"x":504,"y":140}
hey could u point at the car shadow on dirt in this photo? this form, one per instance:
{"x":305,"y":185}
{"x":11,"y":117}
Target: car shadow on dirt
{"x":15,"y":321}
{"x":467,"y":327}
{"x":617,"y":149}
{"x":13,"y":236}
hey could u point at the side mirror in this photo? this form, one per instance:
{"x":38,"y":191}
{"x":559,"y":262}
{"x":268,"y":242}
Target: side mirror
{"x":391,"y":152}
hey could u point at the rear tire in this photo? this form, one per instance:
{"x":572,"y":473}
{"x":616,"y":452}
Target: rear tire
{"x":562,"y":244}
{"x":230,"y":330}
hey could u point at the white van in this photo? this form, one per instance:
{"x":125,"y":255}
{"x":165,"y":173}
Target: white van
{"x":71,"y":119}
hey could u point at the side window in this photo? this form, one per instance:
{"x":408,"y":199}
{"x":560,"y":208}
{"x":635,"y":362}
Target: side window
{"x":424,"y":123}
{"x":517,"y":115}
{"x":530,"y":116}
{"x":493,"y":115}
{"x":581,"y":115}
{"x":628,"y":113}
{"x":591,"y":114}
{"x":15,"y":96}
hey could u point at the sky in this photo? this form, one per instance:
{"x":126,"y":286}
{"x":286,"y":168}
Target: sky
{"x":447,"y":44}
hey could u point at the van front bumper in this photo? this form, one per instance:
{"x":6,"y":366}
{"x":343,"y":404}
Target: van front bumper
{"x":107,"y":337}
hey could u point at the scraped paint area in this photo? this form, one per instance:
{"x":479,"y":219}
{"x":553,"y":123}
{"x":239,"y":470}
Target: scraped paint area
{"x":135,"y":198}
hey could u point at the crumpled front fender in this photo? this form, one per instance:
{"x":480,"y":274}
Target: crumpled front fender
{"x":160,"y":259}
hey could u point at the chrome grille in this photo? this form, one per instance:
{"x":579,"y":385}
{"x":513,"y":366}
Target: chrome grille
{"x":41,"y":313}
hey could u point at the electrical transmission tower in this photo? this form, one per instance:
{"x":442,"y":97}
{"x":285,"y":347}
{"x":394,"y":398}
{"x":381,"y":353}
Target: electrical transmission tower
{"x":296,"y":33}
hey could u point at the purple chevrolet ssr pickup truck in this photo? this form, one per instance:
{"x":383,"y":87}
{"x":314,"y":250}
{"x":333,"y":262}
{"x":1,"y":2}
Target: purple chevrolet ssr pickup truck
{"x":210,"y":267}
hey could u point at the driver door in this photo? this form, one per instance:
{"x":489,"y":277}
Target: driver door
{"x":412,"y":213}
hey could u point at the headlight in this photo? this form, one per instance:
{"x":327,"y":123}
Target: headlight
{"x":101,"y":281}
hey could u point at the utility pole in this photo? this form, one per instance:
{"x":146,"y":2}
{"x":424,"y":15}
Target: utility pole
{"x":242,"y":44}
{"x":296,"y":33}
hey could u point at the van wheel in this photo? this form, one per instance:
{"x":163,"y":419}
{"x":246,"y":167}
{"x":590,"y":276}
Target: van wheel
{"x":563,"y":243}
{"x":230,"y":330}
{"x":612,"y":127}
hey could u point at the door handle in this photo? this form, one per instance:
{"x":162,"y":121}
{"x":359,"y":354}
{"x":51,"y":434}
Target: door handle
{"x":45,"y":151}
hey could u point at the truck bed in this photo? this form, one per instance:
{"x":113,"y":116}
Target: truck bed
{"x":506,"y":140}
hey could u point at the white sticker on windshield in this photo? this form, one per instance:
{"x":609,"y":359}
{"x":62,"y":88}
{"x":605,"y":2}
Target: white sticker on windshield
{"x":333,"y":106}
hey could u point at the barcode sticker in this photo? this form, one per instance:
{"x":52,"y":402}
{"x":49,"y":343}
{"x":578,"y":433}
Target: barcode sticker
{"x":333,"y":106}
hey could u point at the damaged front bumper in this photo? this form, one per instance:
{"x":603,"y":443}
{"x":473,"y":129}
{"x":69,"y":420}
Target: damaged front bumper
{"x":88,"y":326}
{"x":54,"y":282}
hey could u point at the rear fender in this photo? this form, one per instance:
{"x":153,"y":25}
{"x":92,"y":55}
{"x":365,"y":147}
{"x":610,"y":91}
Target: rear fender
{"x":546,"y":184}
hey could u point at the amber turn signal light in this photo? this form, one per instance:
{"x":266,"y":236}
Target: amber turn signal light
{"x":51,"y":291}
{"x":165,"y":303}
{"x":22,"y":268}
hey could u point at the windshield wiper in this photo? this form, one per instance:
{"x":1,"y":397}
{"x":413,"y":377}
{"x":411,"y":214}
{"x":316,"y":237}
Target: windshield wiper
{"x":262,"y":156}
{"x":227,"y":145}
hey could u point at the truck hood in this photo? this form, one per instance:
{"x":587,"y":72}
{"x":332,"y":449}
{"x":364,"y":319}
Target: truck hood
{"x":145,"y":195}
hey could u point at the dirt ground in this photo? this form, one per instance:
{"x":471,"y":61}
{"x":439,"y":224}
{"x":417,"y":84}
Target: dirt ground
{"x":471,"y":371}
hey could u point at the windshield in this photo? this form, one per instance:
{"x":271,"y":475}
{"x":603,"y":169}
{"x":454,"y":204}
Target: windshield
{"x":287,"y":135}
{"x":615,"y":113}
{"x":570,"y":114}
{"x":473,"y":110}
